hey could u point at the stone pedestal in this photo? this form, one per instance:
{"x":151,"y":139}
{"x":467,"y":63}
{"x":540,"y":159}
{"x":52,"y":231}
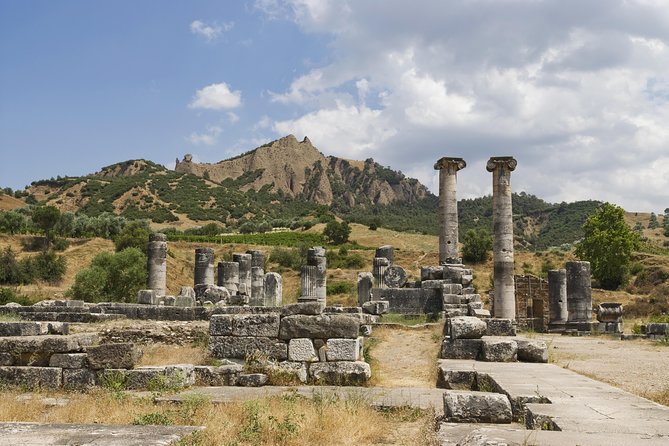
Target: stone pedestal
{"x":579,"y":292}
{"x":204,"y":266}
{"x":228,"y":276}
{"x":244,"y":261}
{"x":502,"y":217}
{"x":557,"y":298}
{"x":365,"y":285}
{"x":379,"y":265}
{"x":257,"y":286}
{"x":157,"y":263}
{"x":273,"y":284}
{"x":448,"y":208}
{"x":313,"y":276}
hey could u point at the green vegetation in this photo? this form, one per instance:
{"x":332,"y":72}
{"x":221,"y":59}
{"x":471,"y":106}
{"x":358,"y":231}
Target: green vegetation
{"x":337,"y":233}
{"x":608,"y":244}
{"x":476,"y":245}
{"x":133,"y":235}
{"x":8,"y":295}
{"x":111,"y":277}
{"x":45,"y":266}
{"x":46,"y":218}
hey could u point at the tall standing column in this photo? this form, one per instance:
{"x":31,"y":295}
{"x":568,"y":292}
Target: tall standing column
{"x":557,"y":296}
{"x":228,"y":276}
{"x":448,"y":208}
{"x":502,"y":220}
{"x":244,"y":261}
{"x":579,"y":292}
{"x":157,"y":263}
{"x":204,"y":266}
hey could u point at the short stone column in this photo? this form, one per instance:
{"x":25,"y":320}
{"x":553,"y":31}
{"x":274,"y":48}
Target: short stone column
{"x":244,"y":261}
{"x":579,"y":292}
{"x":273,"y":283}
{"x":228,"y":276}
{"x":313,"y":276}
{"x":204,"y":266}
{"x":557,"y":296}
{"x":502,"y":220}
{"x":379,"y":265}
{"x":308,"y":275}
{"x":257,"y":258}
{"x":157,"y":263}
{"x":448,"y":209}
{"x":386,"y":251}
{"x":257,"y":286}
{"x":365,"y":285}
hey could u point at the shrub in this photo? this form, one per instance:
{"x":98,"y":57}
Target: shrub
{"x":49,"y":267}
{"x":133,"y":235}
{"x":8,"y":295}
{"x":336,"y":232}
{"x":339,"y":287}
{"x":13,"y":272}
{"x":288,"y":258}
{"x":476,"y":245}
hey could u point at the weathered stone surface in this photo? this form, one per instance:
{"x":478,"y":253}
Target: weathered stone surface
{"x":149,"y":378}
{"x":58,"y":328}
{"x":451,"y":288}
{"x":224,"y":375}
{"x":500,"y":327}
{"x":579,"y":291}
{"x":32,"y":377}
{"x":342,"y":373}
{"x":244,"y":310}
{"x":256,"y":325}
{"x":376,"y":307}
{"x":476,"y":407}
{"x":386,"y":251}
{"x":308,"y":308}
{"x":273,"y":284}
{"x":287,"y":370}
{"x":204,"y":266}
{"x":69,"y":360}
{"x":221,"y":324}
{"x":657,"y":329}
{"x":410,"y":300}
{"x":113,"y":356}
{"x":184,"y":301}
{"x":147,"y":297}
{"x":431,"y":273}
{"x":6,"y":359}
{"x":302,"y":349}
{"x":322,"y":327}
{"x":365,"y":285}
{"x":240,"y":346}
{"x":79,"y":379}
{"x":456,"y":379}
{"x":494,"y":349}
{"x":530,"y":350}
{"x":436,"y":284}
{"x":22,"y":328}
{"x":47,"y":344}
{"x":465,"y":327}
{"x":187,"y":291}
{"x":448,"y":208}
{"x":460,"y":349}
{"x":394,"y":277}
{"x":481,"y":313}
{"x":216,"y":294}
{"x":251,"y":380}
{"x":343,"y":349}
{"x":365,"y":330}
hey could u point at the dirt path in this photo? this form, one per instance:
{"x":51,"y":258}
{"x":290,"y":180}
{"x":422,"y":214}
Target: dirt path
{"x":406,"y":357}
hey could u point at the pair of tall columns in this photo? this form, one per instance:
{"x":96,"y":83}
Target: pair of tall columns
{"x":504,"y":305}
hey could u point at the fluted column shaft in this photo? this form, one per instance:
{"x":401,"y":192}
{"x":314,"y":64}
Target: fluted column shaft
{"x":157,"y":263}
{"x":448,"y":208}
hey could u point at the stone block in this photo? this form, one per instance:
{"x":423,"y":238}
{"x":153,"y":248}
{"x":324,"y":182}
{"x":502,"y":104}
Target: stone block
{"x":476,"y":407}
{"x":22,"y":328}
{"x":394,"y":277}
{"x":469,"y":290}
{"x":431,"y":273}
{"x":169,"y":301}
{"x":47,"y":344}
{"x":216,"y":294}
{"x":410,"y":300}
{"x":79,"y":379}
{"x":147,"y":297}
{"x":365,"y":330}
{"x":224,"y":375}
{"x":149,"y":378}
{"x":499,"y":349}
{"x":221,"y":325}
{"x":187,"y":291}
{"x":365,"y":284}
{"x":452,"y":299}
{"x":266,"y":325}
{"x":288,"y":371}
{"x":342,"y":373}
{"x":32,"y":377}
{"x":465,"y":327}
{"x":58,"y":328}
{"x":343,"y":349}
{"x":340,"y":309}
{"x":530,"y":350}
{"x":69,"y":360}
{"x":451,"y":288}
{"x":460,"y":349}
{"x":239,"y":347}
{"x":375,"y":307}
{"x":322,"y":327}
{"x":113,"y":356}
{"x":480,"y":313}
{"x":456,"y":379}
{"x":302,"y":349}
{"x":471,"y":306}
{"x":308,"y":308}
{"x":6,"y":359}
{"x":500,"y":327}
{"x":451,"y":311}
{"x":251,"y":380}
{"x":434,"y":284}
{"x":658,"y":329}
{"x":184,"y":301}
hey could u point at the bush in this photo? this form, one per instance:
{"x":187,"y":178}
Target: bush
{"x":339,"y":288}
{"x":8,"y":295}
{"x":111,"y":277}
{"x":48,"y":267}
{"x":133,"y":235}
{"x":288,"y":258}
{"x":476,"y":245}
{"x":13,"y":271}
{"x":336,"y":232}
{"x":13,"y":222}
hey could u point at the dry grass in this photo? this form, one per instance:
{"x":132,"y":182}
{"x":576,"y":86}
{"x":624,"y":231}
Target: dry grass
{"x":285,"y":420}
{"x":162,"y":354}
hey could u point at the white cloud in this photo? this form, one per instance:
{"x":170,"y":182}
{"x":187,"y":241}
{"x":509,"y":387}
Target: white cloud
{"x":208,"y":138}
{"x":232,"y":117}
{"x":209,"y":32}
{"x":216,"y":97}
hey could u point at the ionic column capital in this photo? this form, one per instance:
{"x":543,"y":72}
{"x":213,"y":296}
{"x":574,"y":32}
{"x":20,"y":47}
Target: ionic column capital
{"x":507,"y":162}
{"x":450,"y":163}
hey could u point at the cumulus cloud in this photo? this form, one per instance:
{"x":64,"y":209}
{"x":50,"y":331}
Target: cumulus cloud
{"x":208,"y":138}
{"x":577,"y":93}
{"x":216,"y":97}
{"x":209,"y":32}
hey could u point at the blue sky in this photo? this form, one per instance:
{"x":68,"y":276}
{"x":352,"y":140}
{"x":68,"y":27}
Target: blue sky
{"x":577,"y":91}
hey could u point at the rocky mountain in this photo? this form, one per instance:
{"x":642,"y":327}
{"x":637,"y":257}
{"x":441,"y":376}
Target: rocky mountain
{"x":299,"y":170}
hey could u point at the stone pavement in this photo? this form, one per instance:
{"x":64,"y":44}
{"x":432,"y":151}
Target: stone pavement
{"x":37,"y":434}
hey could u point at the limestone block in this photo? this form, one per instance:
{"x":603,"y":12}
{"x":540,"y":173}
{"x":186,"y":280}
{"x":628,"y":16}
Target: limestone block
{"x":322,"y":327}
{"x":499,"y":349}
{"x":657,"y":329}
{"x":69,"y":360}
{"x":239,"y":299}
{"x":32,"y":377}
{"x":309,"y":308}
{"x":452,"y":299}
{"x":238,"y":309}
{"x":342,"y":349}
{"x":113,"y":356}
{"x":456,"y":379}
{"x":240,"y":346}
{"x":410,"y":300}
{"x":22,"y":328}
{"x":530,"y":350}
{"x":500,"y":327}
{"x":341,"y":373}
{"x":375,"y":307}
{"x":251,"y":380}
{"x":6,"y":359}
{"x":216,"y":294}
{"x":365,"y":284}
{"x":451,"y":288}
{"x":301,"y":349}
{"x":147,"y":297}
{"x":224,"y":375}
{"x":340,"y":309}
{"x":365,"y":330}
{"x":466,"y":279}
{"x":460,"y":349}
{"x":466,"y":327}
{"x":435,"y":284}
{"x":480,"y":313}
{"x":169,"y":301}
{"x":452,"y":311}
{"x":187,"y":291}
{"x":221,"y":324}
{"x":290,"y":369}
{"x":79,"y":379}
{"x":469,"y":290}
{"x":74,"y":303}
{"x":394,"y":277}
{"x":153,"y":377}
{"x":476,"y":407}
{"x":57,"y":328}
{"x":431,"y":273}
{"x":266,"y":325}
{"x":184,"y":301}
{"x":47,"y":344}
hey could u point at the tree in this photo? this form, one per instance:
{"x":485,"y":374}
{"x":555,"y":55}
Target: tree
{"x":46,"y":218}
{"x":653,"y":223}
{"x":476,"y":244}
{"x":133,"y":235}
{"x":608,"y":244}
{"x":112,"y":277}
{"x":12,"y":222}
{"x":336,"y":232}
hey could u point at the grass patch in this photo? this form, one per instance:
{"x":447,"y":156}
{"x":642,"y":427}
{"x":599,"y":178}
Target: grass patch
{"x":406,"y":319}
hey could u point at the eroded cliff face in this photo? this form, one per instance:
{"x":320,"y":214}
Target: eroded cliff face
{"x":299,"y":170}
